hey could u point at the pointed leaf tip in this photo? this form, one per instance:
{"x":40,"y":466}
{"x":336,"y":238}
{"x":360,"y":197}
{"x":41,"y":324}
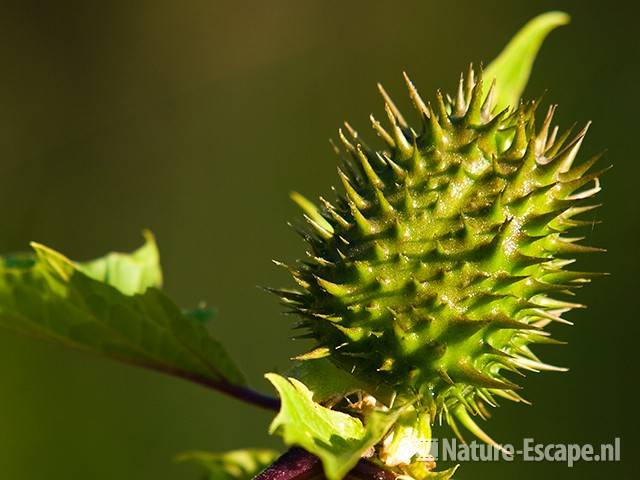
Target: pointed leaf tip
{"x":130,"y":273}
{"x":512,"y":67}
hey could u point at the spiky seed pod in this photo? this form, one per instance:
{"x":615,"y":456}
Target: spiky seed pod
{"x":445,"y":258}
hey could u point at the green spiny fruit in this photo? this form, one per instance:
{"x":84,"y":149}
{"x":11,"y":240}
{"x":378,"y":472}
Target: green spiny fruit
{"x":445,"y":258}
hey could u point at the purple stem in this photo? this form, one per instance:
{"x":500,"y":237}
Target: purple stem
{"x":239,"y":392}
{"x":295,"y":464}
{"x":298,"y":464}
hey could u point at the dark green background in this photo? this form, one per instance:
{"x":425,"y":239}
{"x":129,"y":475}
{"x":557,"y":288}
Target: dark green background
{"x":195,"y":119}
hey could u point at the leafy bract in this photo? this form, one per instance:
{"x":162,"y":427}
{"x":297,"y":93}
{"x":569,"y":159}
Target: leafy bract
{"x":128,"y":272}
{"x":512,"y":67}
{"x":232,"y":465}
{"x":338,"y":439}
{"x":326,"y":381}
{"x":49,"y":296}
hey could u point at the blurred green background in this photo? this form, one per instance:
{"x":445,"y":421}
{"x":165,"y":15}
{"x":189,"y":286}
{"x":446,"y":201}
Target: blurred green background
{"x":195,"y":119}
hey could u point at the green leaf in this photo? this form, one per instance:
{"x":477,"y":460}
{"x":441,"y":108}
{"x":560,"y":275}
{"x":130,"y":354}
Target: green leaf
{"x":49,"y":296}
{"x":128,"y":272}
{"x":338,"y":439}
{"x":326,"y":381}
{"x":512,"y":67}
{"x":232,"y":465}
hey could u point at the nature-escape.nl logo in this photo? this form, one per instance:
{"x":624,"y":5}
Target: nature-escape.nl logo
{"x":447,"y":449}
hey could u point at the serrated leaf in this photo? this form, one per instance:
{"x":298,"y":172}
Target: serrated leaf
{"x":232,"y":465}
{"x":49,"y":296}
{"x":128,"y":272}
{"x":338,"y":439}
{"x":512,"y":67}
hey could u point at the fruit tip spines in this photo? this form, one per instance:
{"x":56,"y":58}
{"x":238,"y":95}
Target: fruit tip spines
{"x":416,"y":99}
{"x":392,"y":106}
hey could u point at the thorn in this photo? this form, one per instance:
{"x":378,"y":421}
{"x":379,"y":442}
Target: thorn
{"x":444,"y":376}
{"x":437,"y":134}
{"x":415,"y":96}
{"x":394,"y":109}
{"x":408,"y":201}
{"x":461,"y":105}
{"x":335,"y":289}
{"x":334,"y":214}
{"x":350,"y":130}
{"x":352,"y":194}
{"x":364,"y":225}
{"x":442,"y":110}
{"x":563,"y":160}
{"x":316,"y":353}
{"x":451,"y":422}
{"x":319,"y":229}
{"x":536,"y":366}
{"x":559,"y":142}
{"x":539,"y":312}
{"x":586,"y":193}
{"x":280,"y":264}
{"x":487,"y":106}
{"x":305,"y":235}
{"x":474,"y":377}
{"x":552,"y":139}
{"x":287,"y":297}
{"x":574,"y":211}
{"x":580,"y":170}
{"x":383,"y":203}
{"x":541,"y":139}
{"x":377,"y":126}
{"x":486,"y":396}
{"x":399,"y":172}
{"x":469,"y":84}
{"x":311,"y":210}
{"x":356,"y":137}
{"x":400,"y":140}
{"x":463,"y":416}
{"x":373,"y":177}
{"x":347,"y":144}
{"x":334,"y":147}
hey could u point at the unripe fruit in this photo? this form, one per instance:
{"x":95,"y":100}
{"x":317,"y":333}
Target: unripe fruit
{"x":445,"y":259}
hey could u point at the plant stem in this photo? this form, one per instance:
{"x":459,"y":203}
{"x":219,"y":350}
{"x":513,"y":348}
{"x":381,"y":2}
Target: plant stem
{"x":239,"y":392}
{"x":294,"y":464}
{"x":298,"y":464}
{"x":248,"y":395}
